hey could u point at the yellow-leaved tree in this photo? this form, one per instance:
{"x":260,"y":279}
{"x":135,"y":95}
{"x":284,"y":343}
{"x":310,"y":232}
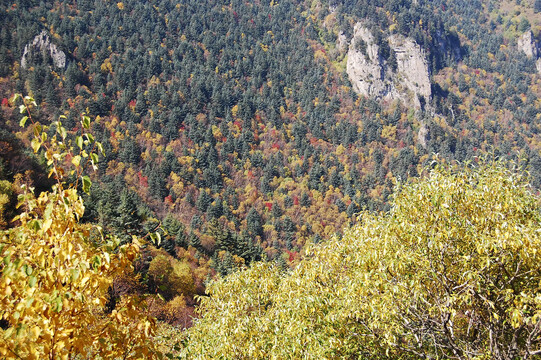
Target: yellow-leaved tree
{"x":452,"y":271}
{"x":53,"y":281}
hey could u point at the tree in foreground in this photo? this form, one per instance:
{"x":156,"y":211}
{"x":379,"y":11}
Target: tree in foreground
{"x":53,"y":280}
{"x":452,"y":271}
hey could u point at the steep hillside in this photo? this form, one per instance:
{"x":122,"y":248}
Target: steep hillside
{"x":238,"y":129}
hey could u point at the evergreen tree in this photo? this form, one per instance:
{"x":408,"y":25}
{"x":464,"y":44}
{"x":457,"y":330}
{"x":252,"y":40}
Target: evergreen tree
{"x":254,"y":222}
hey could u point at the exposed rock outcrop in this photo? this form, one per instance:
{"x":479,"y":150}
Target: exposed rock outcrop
{"x":423,"y":136}
{"x":403,"y":75}
{"x":43,"y":44}
{"x":527,"y":44}
{"x":342,"y":42}
{"x":530,"y":47}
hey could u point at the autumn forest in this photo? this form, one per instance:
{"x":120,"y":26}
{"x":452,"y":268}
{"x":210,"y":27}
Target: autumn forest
{"x":192,"y":152}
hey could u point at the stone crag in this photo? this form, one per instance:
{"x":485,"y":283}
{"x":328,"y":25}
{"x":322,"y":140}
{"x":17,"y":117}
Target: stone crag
{"x":404,"y":77}
{"x":530,"y":47}
{"x":42,"y":43}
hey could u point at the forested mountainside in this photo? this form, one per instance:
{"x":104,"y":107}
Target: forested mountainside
{"x":233,"y":128}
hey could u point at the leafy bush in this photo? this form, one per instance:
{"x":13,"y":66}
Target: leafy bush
{"x":53,"y":282}
{"x":452,"y":271}
{"x":171,"y":277}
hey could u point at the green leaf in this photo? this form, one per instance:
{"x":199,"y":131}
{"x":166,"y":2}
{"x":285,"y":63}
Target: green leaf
{"x":86,"y":184}
{"x":23,"y":121}
{"x":156,"y":238}
{"x":32,"y":281}
{"x":22,"y":109}
{"x":94,"y":158}
{"x":30,"y":99}
{"x":63,"y":132}
{"x":100,"y":148}
{"x":79,"y":141}
{"x":86,"y":122}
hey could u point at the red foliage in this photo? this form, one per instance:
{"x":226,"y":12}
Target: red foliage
{"x":268,"y":205}
{"x":237,"y":124}
{"x":132,"y":104}
{"x":295,"y":200}
{"x":5,"y":102}
{"x":168,"y":199}
{"x":143,"y":180}
{"x":292,"y":255}
{"x":276,"y":146}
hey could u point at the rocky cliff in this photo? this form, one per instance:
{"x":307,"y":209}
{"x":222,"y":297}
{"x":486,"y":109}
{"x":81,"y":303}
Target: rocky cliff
{"x":42,"y":43}
{"x":403,"y":74}
{"x":529,"y":46}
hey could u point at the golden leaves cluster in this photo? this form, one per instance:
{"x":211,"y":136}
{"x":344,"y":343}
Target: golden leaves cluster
{"x":54,"y":282}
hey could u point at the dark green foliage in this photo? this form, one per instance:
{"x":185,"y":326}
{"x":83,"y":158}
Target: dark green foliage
{"x":254,"y":222}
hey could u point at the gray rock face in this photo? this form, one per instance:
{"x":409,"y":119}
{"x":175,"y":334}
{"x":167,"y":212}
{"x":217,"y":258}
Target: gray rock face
{"x":530,"y":47}
{"x":43,"y":43}
{"x":342,"y":42}
{"x":527,"y":44}
{"x":373,"y":76}
{"x":412,"y":68}
{"x":423,"y":136}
